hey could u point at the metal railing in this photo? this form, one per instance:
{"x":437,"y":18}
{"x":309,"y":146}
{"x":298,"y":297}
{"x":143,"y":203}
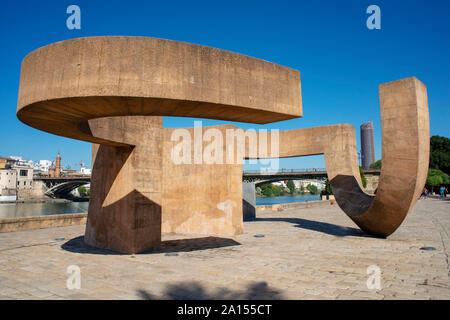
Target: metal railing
{"x":283,"y":170}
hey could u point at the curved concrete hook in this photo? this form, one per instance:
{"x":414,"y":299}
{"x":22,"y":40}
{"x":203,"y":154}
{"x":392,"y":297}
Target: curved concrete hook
{"x":405,"y":145}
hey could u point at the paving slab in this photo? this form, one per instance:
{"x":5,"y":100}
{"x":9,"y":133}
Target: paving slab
{"x":306,"y":253}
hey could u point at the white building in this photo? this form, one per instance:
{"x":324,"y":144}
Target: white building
{"x":85,"y":170}
{"x":23,"y":177}
{"x":299,"y":183}
{"x":8,"y":181}
{"x":42,"y":165}
{"x":19,"y":161}
{"x":280,"y":183}
{"x":16,"y":158}
{"x":319,"y":184}
{"x":24,"y":181}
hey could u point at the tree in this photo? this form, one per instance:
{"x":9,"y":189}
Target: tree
{"x":277,"y":190}
{"x":437,"y":178}
{"x":270,"y":190}
{"x":312,"y":189}
{"x":376,"y":165}
{"x":266,"y":190}
{"x":328,"y":187}
{"x":440,"y":153}
{"x":363,"y":177}
{"x":302,"y":189}
{"x":327,"y":190}
{"x":291,"y":186}
{"x":82,"y":191}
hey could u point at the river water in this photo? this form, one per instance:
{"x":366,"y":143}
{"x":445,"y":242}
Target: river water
{"x":286,"y":199}
{"x":15,"y":210}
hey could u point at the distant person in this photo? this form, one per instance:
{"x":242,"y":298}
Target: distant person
{"x":441,"y":191}
{"x":424,"y":193}
{"x":445,"y":192}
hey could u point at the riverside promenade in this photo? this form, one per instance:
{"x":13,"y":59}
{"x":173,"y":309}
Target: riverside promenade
{"x":306,"y":253}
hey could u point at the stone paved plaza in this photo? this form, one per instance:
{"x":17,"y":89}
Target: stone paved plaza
{"x":306,"y":253}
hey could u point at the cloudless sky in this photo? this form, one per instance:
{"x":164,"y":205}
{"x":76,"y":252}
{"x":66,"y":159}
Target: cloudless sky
{"x":341,"y":61}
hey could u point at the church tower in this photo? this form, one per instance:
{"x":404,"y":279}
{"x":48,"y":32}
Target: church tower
{"x":58,"y":165}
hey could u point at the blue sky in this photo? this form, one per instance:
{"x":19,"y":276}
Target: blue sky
{"x":340,"y":60}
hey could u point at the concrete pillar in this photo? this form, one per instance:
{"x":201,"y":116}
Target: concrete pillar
{"x":126,"y":191}
{"x":248,"y":201}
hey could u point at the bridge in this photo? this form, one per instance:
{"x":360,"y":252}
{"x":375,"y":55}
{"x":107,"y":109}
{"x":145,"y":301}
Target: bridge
{"x":60,"y":187}
{"x":320,"y":174}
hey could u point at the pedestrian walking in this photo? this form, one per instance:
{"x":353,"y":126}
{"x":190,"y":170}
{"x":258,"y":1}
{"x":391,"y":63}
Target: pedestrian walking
{"x":425,"y":193}
{"x":441,"y":191}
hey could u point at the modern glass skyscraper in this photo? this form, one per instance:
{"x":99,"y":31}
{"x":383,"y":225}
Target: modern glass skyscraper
{"x":367,"y":145}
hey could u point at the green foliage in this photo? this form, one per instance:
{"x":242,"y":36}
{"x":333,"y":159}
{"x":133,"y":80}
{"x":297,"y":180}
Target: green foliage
{"x":291,"y":186}
{"x":376,"y":165}
{"x":437,"y":178}
{"x":312,"y":189}
{"x":363,"y":177}
{"x":302,"y":190}
{"x":82,"y":191}
{"x":270,"y":190}
{"x":266,"y":190}
{"x":440,"y":153}
{"x":327,"y":187}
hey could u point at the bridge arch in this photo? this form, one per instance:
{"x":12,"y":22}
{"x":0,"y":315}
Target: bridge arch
{"x":61,"y":190}
{"x":277,"y":179}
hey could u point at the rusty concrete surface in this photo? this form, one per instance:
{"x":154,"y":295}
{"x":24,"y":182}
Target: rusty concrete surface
{"x":113,"y":90}
{"x":64,"y":84}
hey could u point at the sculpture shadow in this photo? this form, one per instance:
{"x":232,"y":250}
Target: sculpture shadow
{"x":324,"y":227}
{"x":77,"y":245}
{"x":248,"y":211}
{"x":194,"y":291}
{"x":349,"y":195}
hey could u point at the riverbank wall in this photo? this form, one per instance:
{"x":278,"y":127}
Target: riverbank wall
{"x":63,"y":220}
{"x":42,"y":200}
{"x":41,"y":222}
{"x":294,"y":205}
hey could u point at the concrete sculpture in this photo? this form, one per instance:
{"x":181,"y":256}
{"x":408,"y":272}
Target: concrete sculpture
{"x":113,"y":91}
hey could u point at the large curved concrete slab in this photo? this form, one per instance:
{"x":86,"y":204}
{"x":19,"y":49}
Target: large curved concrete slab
{"x":65,"y":84}
{"x":406,"y":145}
{"x":405,"y":156}
{"x":113,"y":90}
